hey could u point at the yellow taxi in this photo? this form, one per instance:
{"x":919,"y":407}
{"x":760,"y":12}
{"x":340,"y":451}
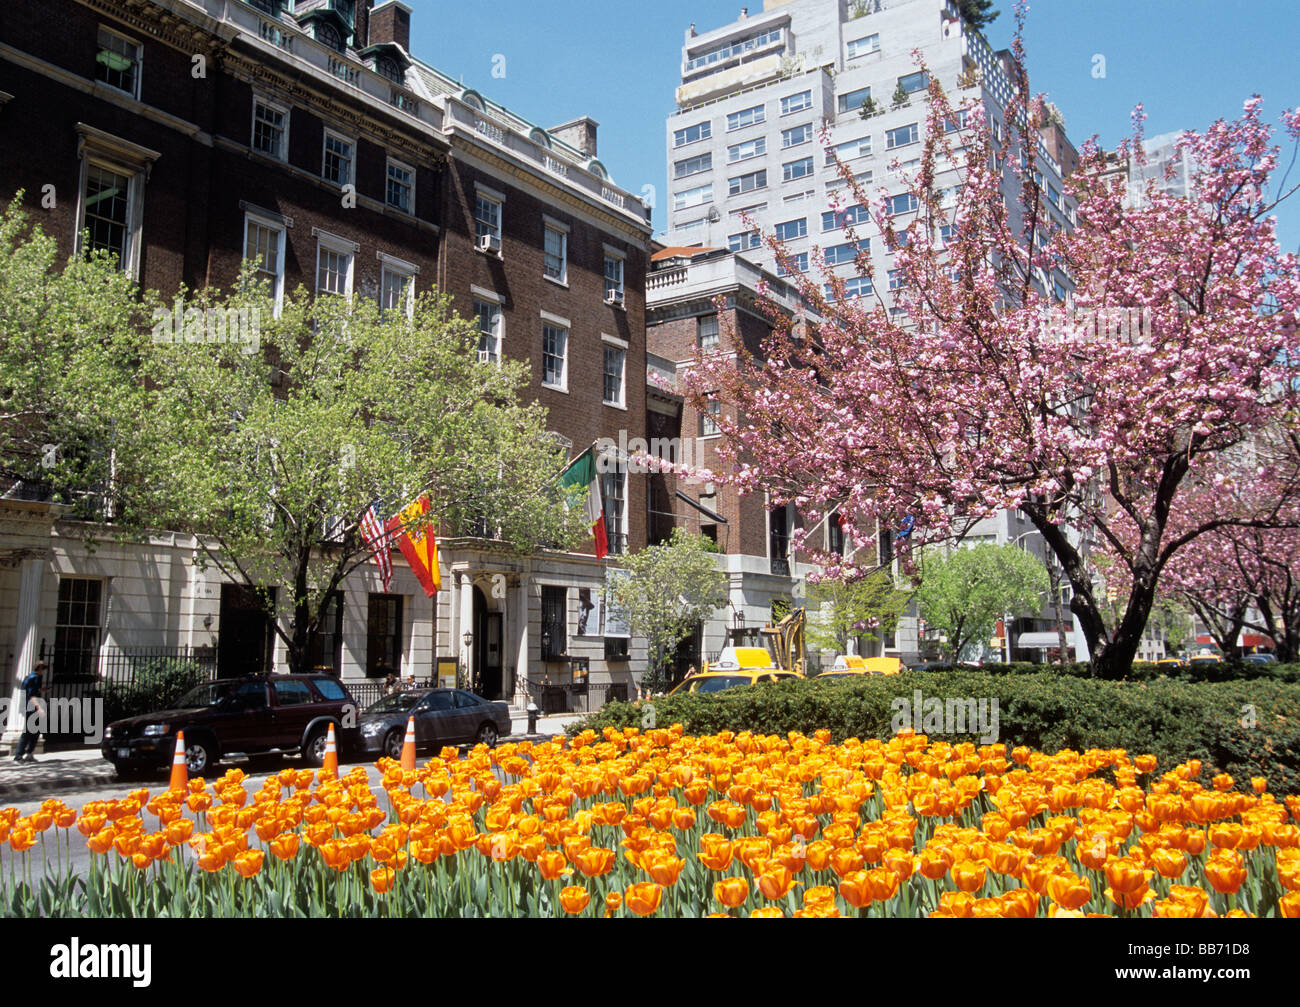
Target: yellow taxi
{"x":734,"y":667}
{"x":851,"y":664}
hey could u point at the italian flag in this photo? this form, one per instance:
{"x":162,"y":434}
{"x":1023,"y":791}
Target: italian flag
{"x":582,"y":472}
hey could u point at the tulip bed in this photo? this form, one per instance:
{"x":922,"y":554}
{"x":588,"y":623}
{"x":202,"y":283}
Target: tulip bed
{"x":661,"y":823}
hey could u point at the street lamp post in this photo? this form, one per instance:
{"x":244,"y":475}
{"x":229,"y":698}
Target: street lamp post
{"x":467,"y":638}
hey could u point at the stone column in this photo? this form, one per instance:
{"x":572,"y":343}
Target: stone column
{"x":466,"y":623}
{"x":521,"y":653}
{"x":29,"y":602}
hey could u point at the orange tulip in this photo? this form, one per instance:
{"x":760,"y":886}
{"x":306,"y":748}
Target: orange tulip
{"x":382,"y":878}
{"x":285,"y":846}
{"x":1289,"y":906}
{"x":731,"y":892}
{"x":968,"y":875}
{"x":1069,"y":891}
{"x":644,"y":897}
{"x":1226,"y":874}
{"x":775,"y":881}
{"x":1170,"y":863}
{"x":767,"y":913}
{"x":248,"y":862}
{"x":855,"y":889}
{"x":551,"y":864}
{"x":574,"y":899}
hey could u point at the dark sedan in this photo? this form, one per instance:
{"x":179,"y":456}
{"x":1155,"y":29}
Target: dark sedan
{"x":442,"y":717}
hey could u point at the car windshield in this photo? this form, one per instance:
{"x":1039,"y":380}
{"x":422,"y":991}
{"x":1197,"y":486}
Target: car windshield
{"x":721,"y":682}
{"x":399,"y":702}
{"x":208,"y":694}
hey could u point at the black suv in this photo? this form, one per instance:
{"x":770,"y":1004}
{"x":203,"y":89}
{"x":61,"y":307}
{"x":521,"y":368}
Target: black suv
{"x":257,"y":715}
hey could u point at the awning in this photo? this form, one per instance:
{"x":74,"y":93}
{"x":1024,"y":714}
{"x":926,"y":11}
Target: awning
{"x":1044,"y":641}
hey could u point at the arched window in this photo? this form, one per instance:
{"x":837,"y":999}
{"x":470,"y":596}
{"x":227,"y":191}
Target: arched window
{"x":327,"y":34}
{"x":387,"y":68}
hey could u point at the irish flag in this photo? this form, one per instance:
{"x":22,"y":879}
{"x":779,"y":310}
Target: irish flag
{"x":582,"y":472}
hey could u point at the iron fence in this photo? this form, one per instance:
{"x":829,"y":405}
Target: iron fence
{"x":579,"y":697}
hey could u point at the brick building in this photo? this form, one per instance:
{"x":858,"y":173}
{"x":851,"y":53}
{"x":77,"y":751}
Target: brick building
{"x":189,"y":135}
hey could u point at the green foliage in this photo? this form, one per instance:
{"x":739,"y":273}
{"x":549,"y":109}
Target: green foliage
{"x":1046,"y":711}
{"x":869,"y":108}
{"x":858,"y":610}
{"x":976,"y":13}
{"x":901,"y":97}
{"x":665,"y":592}
{"x":965,"y":592}
{"x":157,"y":684}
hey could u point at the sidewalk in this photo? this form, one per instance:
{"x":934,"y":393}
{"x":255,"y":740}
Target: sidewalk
{"x":75,"y":769}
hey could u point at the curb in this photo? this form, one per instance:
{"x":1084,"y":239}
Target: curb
{"x":62,"y":784}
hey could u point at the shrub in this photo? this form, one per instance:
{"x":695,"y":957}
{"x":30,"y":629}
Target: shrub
{"x":157,"y":684}
{"x":1046,"y":711}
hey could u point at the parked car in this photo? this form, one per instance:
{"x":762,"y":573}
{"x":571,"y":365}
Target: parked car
{"x":1171,"y":662}
{"x":442,"y":717}
{"x":1200,"y":659}
{"x":1261,"y":658}
{"x":850,"y":665}
{"x":254,"y":715}
{"x":717,"y":681}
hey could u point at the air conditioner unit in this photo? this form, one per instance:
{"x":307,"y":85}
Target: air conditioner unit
{"x":489,"y":243}
{"x":614,"y":297}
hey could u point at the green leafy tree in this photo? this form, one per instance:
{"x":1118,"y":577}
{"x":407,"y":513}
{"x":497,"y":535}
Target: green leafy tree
{"x":269,"y":441}
{"x":666,"y":591}
{"x":71,"y":336}
{"x":965,"y":592}
{"x":858,"y":610}
{"x":976,"y":13}
{"x":901,"y":95}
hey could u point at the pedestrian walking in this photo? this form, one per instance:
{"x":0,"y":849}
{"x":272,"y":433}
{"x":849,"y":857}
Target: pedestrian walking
{"x":391,"y":685}
{"x":32,"y":687}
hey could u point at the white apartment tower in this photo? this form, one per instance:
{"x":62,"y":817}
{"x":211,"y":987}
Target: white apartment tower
{"x":755,"y":96}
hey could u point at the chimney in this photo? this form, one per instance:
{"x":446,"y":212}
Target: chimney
{"x":580,"y":133}
{"x":391,"y":22}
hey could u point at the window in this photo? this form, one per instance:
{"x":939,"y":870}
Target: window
{"x":709,"y":419}
{"x":117,"y":63}
{"x":107,"y":211}
{"x":1053,"y":195}
{"x":861,"y":178}
{"x":904,"y":202}
{"x":615,"y":362}
{"x":334,"y":268}
{"x":886,"y":546}
{"x":792,"y":229}
{"x":77,"y":628}
{"x":692,"y":197}
{"x":848,"y":217}
{"x":264,"y":246}
{"x":747,"y":117}
{"x":744,"y":241}
{"x":489,"y":330}
{"x":797,"y":169}
{"x":837,"y":255}
{"x":796,"y":102}
{"x":270,"y":128}
{"x":746,"y":150}
{"x":747,"y":183}
{"x":337,"y":165}
{"x":397,"y":290}
{"x":896,"y":279}
{"x":946,"y":234}
{"x":613,"y":488}
{"x":748,"y":211}
{"x":796,"y":135}
{"x":293,"y":692}
{"x":401,"y":187}
{"x":854,"y":286}
{"x":778,"y":541}
{"x":731,"y":50}
{"x":834,"y":535}
{"x":554,"y":636}
{"x":852,"y":101}
{"x":798,"y":264}
{"x":902,"y":136}
{"x":384,"y":636}
{"x":864,"y":46}
{"x":690,"y":134}
{"x":613,"y":277}
{"x":390,"y":71}
{"x":847,"y":151}
{"x":325,"y":651}
{"x":706,"y":332}
{"x":693,"y":165}
{"x":555,"y":253}
{"x":956,"y":121}
{"x":487,"y":217}
{"x":327,"y":35}
{"x":913,"y":82}
{"x":554,"y":359}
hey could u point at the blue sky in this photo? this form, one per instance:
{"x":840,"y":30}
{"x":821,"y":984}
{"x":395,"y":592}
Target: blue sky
{"x":1188,"y":62}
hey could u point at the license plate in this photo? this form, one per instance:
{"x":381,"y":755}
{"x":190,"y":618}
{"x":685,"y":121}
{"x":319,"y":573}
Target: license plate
{"x":124,"y":753}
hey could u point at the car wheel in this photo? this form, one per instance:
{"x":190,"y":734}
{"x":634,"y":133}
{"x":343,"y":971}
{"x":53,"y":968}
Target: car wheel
{"x":198,"y":756}
{"x":393,"y":742}
{"x":313,"y":752}
{"x":487,"y":735}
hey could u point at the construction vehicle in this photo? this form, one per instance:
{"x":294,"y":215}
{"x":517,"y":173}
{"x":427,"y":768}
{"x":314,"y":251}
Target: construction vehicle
{"x":782,"y":649}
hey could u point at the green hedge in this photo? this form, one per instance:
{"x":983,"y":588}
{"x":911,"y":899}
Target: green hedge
{"x":1175,"y":720}
{"x":1227,"y":671}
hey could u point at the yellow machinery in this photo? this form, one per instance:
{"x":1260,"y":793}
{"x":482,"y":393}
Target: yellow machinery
{"x":783,"y":651}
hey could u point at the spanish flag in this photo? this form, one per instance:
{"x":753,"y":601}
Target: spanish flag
{"x":415,"y":537}
{"x":582,"y":472}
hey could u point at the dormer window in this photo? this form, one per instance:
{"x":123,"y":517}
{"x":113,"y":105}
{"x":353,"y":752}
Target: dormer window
{"x":346,"y":7}
{"x":387,"y":68}
{"x":328,"y":35}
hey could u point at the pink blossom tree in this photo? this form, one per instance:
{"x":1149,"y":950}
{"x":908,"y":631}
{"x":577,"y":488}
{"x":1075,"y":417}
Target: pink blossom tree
{"x":979,"y":391}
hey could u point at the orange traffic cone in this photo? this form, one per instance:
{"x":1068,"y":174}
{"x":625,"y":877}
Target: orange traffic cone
{"x":180,"y":773}
{"x":408,"y":746}
{"x":330,"y":765}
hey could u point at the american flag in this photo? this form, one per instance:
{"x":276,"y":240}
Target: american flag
{"x":375,"y":535}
